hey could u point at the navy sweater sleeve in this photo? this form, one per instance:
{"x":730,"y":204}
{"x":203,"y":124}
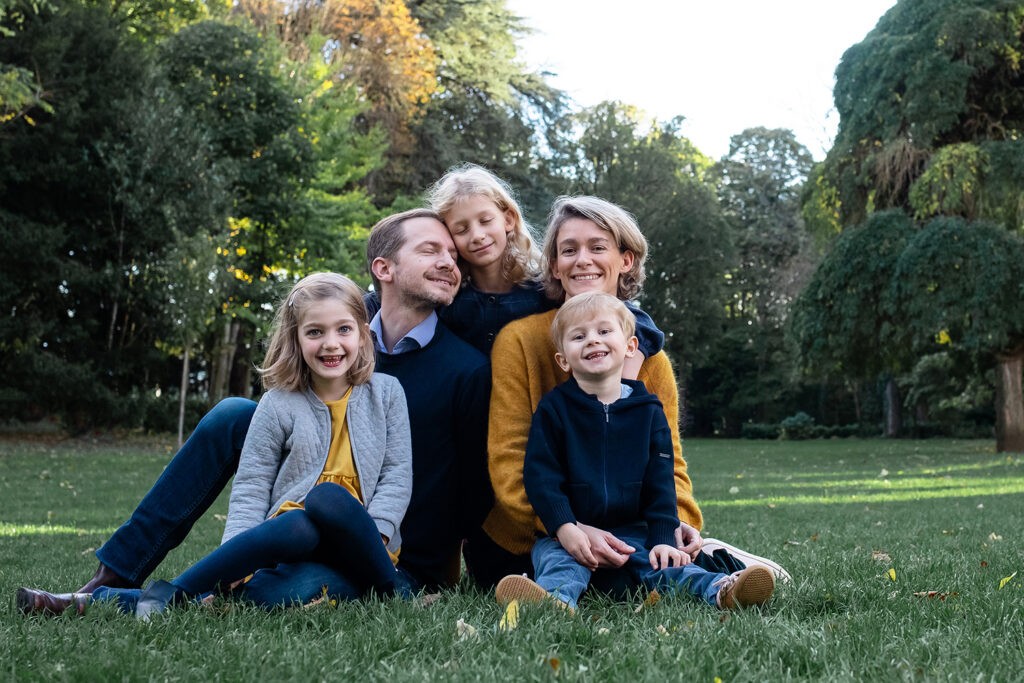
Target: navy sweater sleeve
{"x":652,"y":340}
{"x":658,"y":495}
{"x":544,"y":469}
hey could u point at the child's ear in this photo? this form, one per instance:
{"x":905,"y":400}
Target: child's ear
{"x":510,"y":221}
{"x":632,"y":344}
{"x":562,"y":362}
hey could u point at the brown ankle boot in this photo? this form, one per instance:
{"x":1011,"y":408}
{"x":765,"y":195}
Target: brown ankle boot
{"x":33,"y":601}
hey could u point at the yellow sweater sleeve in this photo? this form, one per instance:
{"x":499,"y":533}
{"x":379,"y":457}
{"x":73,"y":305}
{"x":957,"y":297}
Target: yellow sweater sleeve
{"x":523,"y":370}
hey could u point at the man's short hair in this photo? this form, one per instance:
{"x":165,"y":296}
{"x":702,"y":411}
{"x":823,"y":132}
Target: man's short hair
{"x":388,"y":236}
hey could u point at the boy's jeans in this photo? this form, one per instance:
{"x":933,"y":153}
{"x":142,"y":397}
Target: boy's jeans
{"x":562,"y":576}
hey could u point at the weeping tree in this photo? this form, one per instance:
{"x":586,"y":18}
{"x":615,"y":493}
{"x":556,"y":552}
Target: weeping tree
{"x":959,"y":285}
{"x":845,"y":322}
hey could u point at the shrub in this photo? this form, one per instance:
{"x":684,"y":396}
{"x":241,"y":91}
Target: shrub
{"x":797,"y":427}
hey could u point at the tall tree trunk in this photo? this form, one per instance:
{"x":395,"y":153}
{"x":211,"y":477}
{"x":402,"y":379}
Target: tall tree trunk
{"x":893,"y":406}
{"x":1010,"y":402}
{"x":182,"y":394}
{"x":223,"y":359}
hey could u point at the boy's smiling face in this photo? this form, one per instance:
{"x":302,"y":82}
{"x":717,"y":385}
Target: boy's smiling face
{"x":596,"y":348}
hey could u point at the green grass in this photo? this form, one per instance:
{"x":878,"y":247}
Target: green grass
{"x":945,"y":515}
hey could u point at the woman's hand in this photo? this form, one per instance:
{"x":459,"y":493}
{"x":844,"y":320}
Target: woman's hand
{"x":688,"y":540}
{"x":610,"y":551}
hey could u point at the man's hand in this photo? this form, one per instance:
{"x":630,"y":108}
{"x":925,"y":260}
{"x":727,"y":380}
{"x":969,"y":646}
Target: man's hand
{"x":688,"y":540}
{"x":610,"y":551}
{"x":576,"y":543}
{"x":663,"y":555}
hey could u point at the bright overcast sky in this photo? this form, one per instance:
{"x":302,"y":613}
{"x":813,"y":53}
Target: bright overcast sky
{"x":725,"y":65}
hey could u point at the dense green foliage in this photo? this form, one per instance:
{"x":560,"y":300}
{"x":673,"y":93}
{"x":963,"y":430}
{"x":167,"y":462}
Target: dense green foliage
{"x":838,"y":515}
{"x":168,"y":168}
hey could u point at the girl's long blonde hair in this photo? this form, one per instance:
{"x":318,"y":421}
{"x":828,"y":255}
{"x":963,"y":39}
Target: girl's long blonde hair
{"x":283,"y":367}
{"x":521,"y":259}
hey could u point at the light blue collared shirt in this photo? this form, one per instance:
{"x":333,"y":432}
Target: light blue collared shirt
{"x":416,"y":338}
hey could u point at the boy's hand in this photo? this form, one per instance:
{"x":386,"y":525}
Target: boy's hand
{"x":688,"y":540}
{"x":576,"y":543}
{"x":663,"y":555}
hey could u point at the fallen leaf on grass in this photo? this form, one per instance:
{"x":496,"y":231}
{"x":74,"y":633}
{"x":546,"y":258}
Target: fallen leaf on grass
{"x":603,"y":631}
{"x":554,"y":663}
{"x":661,"y":630}
{"x":931,"y":595}
{"x":652,"y":599}
{"x":891,"y":574}
{"x":883,"y":473}
{"x":510,"y":619}
{"x":880,"y":556}
{"x":1008,"y":579}
{"x":221,"y":518}
{"x":734,"y":490}
{"x":994,"y":537}
{"x":984,"y":564}
{"x":464,"y":630}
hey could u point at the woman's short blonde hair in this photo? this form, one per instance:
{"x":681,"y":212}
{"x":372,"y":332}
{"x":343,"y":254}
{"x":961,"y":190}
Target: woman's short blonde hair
{"x":588,"y":306}
{"x":283,"y":367}
{"x":521,"y":260}
{"x":609,"y":217}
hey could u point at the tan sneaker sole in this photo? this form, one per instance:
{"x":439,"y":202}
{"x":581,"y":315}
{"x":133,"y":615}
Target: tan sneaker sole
{"x":754,"y":586}
{"x":518,"y":587}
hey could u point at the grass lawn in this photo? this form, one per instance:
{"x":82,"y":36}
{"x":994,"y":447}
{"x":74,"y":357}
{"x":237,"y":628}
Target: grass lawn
{"x":867,"y":528}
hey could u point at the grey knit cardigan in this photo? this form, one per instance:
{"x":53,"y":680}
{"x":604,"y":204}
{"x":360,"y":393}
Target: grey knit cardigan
{"x":286,"y":449}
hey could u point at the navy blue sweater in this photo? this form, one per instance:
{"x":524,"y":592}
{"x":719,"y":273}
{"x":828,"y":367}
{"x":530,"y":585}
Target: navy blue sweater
{"x":447,"y":385}
{"x":603,"y":465}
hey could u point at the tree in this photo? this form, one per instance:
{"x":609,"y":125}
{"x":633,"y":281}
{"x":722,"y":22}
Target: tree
{"x":759,"y":184}
{"x":932,"y":73}
{"x":959,"y":285}
{"x":845,"y":322}
{"x":233,"y":81}
{"x":488,"y":109}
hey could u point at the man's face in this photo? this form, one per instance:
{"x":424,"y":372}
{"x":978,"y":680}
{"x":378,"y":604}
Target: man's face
{"x":424,"y":271}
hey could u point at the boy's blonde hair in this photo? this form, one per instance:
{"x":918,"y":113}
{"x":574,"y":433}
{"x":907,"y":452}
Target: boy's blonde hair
{"x":612,"y":219}
{"x":521,"y":259}
{"x":283,"y":366}
{"x":588,"y":306}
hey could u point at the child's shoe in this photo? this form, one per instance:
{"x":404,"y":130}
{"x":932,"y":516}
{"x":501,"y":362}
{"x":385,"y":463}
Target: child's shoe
{"x":752,"y":586}
{"x":525,"y":591}
{"x":519,"y":587}
{"x":748,"y":558}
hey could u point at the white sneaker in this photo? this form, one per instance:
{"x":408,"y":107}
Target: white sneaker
{"x":749,"y":559}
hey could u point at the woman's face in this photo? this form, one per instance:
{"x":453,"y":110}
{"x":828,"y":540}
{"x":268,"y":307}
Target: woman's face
{"x":480,"y":230}
{"x":588,"y":259}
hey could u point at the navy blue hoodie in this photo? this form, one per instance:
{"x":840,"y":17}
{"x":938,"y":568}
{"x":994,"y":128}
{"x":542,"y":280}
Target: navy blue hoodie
{"x":604,"y":465}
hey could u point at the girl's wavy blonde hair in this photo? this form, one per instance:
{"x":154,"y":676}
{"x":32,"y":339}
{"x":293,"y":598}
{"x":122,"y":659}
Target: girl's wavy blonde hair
{"x":611,"y":218}
{"x":283,"y":367}
{"x":521,"y":260}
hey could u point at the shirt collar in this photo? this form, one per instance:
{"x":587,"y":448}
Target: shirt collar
{"x":416,"y":338}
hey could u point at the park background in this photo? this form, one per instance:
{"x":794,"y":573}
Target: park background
{"x":169,"y":167}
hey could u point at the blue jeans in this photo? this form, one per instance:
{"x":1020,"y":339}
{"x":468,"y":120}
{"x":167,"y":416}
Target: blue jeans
{"x":563,"y":577}
{"x":188,"y":486}
{"x":333,"y":528}
{"x":190,"y":483}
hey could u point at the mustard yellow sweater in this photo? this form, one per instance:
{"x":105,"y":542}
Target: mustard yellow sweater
{"x":523,"y":369}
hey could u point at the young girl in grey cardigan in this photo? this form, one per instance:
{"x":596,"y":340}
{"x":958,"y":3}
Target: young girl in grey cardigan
{"x":326,"y":469}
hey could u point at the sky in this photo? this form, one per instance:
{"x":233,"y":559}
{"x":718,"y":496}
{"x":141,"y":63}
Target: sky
{"x":725,"y":65}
